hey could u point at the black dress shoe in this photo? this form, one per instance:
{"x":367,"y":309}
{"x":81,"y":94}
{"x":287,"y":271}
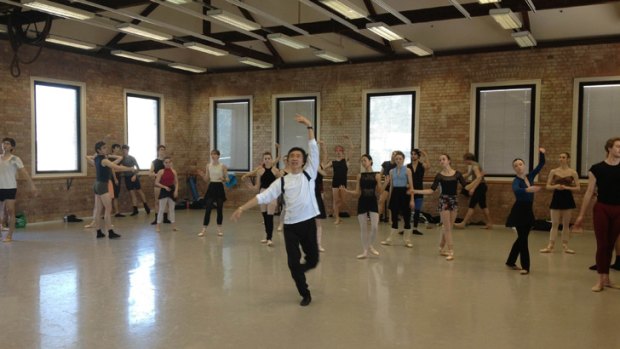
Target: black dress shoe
{"x":112,"y":234}
{"x":306,"y":300}
{"x":592,"y":267}
{"x":119,"y":215}
{"x":100,"y":234}
{"x":416,"y":232}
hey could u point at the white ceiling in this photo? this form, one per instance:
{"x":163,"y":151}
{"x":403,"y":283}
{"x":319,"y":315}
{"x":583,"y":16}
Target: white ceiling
{"x":552,"y":26}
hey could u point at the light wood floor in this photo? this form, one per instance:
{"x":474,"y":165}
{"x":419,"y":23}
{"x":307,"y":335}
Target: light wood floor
{"x":62,"y":288}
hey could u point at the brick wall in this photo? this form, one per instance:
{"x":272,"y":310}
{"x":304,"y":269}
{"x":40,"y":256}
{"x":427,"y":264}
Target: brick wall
{"x":444,"y":111}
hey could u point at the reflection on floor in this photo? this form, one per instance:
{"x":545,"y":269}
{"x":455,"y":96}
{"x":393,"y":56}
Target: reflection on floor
{"x":62,"y":288}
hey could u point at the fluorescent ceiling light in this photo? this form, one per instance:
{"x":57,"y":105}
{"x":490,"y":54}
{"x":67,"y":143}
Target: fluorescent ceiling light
{"x":268,"y":16}
{"x":418,"y":48}
{"x":287,"y":40}
{"x":524,"y":38}
{"x":187,"y":67}
{"x":330,"y":56}
{"x":461,"y":9}
{"x":330,"y":15}
{"x":3,"y":28}
{"x":206,"y":49}
{"x":391,"y":10}
{"x":70,"y":42}
{"x":134,"y":56}
{"x":58,"y":9}
{"x":143,"y":32}
{"x":345,"y":8}
{"x":506,"y":18}
{"x":178,"y":2}
{"x":255,"y":62}
{"x":383,"y":31}
{"x":233,"y":20}
{"x":488,"y":1}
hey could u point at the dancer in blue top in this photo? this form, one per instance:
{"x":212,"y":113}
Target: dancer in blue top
{"x":521,"y":215}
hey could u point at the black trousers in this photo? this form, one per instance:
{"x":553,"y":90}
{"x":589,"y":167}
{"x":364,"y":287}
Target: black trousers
{"x":220,"y":211}
{"x":268,"y":220}
{"x":520,"y":248}
{"x":301,"y":234}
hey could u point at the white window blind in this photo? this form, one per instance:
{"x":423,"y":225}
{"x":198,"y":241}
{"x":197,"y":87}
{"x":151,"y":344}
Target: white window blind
{"x":504,"y":128}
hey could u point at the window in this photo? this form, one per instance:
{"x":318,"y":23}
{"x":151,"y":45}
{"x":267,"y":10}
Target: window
{"x":58,"y":125}
{"x":505,"y":126}
{"x":289,"y":133}
{"x":599,"y":102}
{"x":143,"y":127}
{"x":231,"y":120}
{"x":390,"y":124}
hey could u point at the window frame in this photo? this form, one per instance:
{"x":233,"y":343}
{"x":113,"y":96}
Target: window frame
{"x":577,"y":131}
{"x":415,"y":124}
{"x":160,"y":117}
{"x":316,"y":118}
{"x":534,"y":137}
{"x":213,"y":101}
{"x":81,"y":125}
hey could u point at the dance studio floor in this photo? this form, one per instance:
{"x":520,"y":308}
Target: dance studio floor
{"x":62,"y":288}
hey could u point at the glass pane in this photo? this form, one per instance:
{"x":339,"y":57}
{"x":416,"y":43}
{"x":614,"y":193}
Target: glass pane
{"x":389,"y":126}
{"x":600,"y":122}
{"x":142,"y":129}
{"x":504,"y":129}
{"x":232,"y":134}
{"x":290,"y":133}
{"x":56,"y":122}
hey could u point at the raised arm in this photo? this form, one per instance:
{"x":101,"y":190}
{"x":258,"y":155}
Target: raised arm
{"x":277,"y":159}
{"x":312,"y":163}
{"x":347,"y":151}
{"x":424,"y":160}
{"x":541,"y":163}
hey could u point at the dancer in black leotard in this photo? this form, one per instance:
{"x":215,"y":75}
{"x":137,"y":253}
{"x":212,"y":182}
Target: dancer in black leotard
{"x":368,"y":185}
{"x":563,"y":181}
{"x":448,"y":178}
{"x":340,"y":167}
{"x":266,"y":174}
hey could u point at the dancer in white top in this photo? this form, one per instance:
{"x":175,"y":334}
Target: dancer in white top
{"x":215,"y":175}
{"x":297,"y":188}
{"x":9,"y":166}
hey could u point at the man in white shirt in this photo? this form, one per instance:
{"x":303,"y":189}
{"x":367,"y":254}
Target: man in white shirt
{"x":9,"y":167}
{"x":301,"y":208}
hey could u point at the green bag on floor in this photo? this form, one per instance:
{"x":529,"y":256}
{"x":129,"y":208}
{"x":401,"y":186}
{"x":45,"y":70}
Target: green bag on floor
{"x":20,"y":220}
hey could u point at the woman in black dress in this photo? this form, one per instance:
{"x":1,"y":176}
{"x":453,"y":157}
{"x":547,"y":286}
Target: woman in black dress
{"x":368,"y":186}
{"x":563,"y":181}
